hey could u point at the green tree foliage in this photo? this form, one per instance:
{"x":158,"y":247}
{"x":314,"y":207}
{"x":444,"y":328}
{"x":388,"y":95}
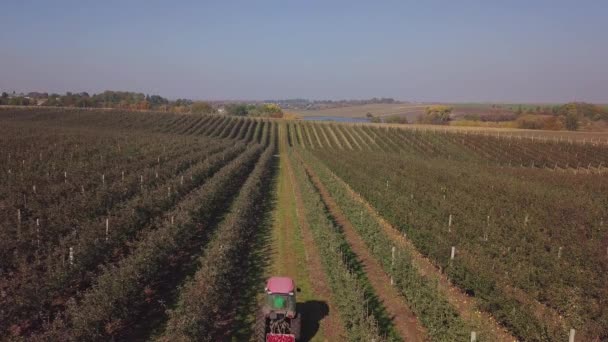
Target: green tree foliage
{"x":583,"y":110}
{"x":270,"y":109}
{"x":265,"y":110}
{"x":571,"y":121}
{"x":436,"y":115}
{"x":237,"y":109}
{"x":107,"y":99}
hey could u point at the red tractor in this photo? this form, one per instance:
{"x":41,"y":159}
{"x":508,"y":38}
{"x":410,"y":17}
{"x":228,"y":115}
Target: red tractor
{"x":278,"y":320}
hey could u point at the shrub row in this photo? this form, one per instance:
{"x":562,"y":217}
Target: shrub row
{"x":118,"y":295}
{"x":434,"y":311}
{"x":355,"y":300}
{"x":206,"y":301}
{"x":30,"y":293}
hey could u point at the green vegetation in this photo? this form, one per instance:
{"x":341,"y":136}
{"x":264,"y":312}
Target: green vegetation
{"x":131,"y":225}
{"x":436,"y":115}
{"x":353,"y":296}
{"x":434,"y":311}
{"x":204,"y":299}
{"x":570,"y":116}
{"x":95,"y":250}
{"x":515,"y":222}
{"x":254,"y":110}
{"x":107,"y":99}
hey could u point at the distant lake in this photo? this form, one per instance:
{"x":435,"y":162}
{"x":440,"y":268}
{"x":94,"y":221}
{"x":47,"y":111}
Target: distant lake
{"x":333,"y":118}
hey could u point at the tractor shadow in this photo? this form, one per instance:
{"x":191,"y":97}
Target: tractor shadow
{"x":313,"y":311}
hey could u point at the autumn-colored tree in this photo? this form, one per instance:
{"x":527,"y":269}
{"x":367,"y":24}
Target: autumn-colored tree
{"x":436,"y":115}
{"x":552,"y":124}
{"x":272,"y":110}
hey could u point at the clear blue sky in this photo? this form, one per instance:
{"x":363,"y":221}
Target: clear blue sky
{"x":517,"y":51}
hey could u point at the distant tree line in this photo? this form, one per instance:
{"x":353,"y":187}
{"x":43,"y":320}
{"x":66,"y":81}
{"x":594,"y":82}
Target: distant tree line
{"x":254,"y":110}
{"x":107,"y":99}
{"x":570,"y":116}
{"x":139,"y":101}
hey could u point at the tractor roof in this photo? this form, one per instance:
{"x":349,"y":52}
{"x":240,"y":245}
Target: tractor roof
{"x":280,"y":285}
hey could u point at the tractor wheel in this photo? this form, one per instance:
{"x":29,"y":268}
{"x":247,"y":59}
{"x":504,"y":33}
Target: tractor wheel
{"x":296,"y":327}
{"x":260,"y":327}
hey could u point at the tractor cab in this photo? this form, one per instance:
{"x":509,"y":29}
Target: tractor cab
{"x":279,"y":319}
{"x":280,"y":296}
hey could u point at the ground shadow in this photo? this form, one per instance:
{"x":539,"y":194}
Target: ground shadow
{"x":313,"y":311}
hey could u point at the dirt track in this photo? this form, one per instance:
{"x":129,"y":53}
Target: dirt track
{"x":296,"y":256}
{"x":404,"y":320}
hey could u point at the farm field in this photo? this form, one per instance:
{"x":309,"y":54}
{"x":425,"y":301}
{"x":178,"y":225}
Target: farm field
{"x":540,"y":135}
{"x":411,"y":111}
{"x":527,"y":235}
{"x":153,"y":226}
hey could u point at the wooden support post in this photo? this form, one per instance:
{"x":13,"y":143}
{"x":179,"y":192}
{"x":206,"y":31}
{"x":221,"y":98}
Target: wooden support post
{"x":450,"y":223}
{"x":473,"y":336}
{"x":38,"y":233}
{"x":487,"y":232}
{"x":19,"y":224}
{"x":559,"y":252}
{"x":103,"y":179}
{"x":65,"y":176}
{"x":71,"y":256}
{"x":107,"y":229}
{"x":571,"y":336}
{"x":453,"y":254}
{"x":393,"y":256}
